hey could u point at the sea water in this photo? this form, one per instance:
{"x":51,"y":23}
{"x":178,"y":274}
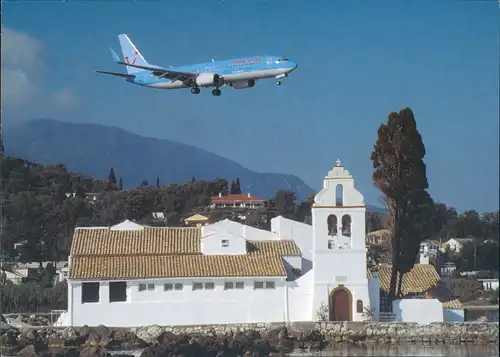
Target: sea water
{"x":464,"y":350}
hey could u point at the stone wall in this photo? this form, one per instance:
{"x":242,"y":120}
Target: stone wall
{"x":353,"y":332}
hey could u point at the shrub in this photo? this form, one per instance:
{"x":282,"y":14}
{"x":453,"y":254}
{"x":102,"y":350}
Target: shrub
{"x":33,"y":297}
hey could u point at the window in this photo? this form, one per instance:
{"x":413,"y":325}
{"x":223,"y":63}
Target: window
{"x":118,"y":291}
{"x":209,"y":286}
{"x":144,"y":287}
{"x":171,"y":286}
{"x":90,"y":292}
{"x":264,"y":285}
{"x":231,"y":285}
{"x":225,"y":242}
{"x":359,"y":306}
{"x":240,"y":285}
{"x":197,"y":286}
{"x":228,"y":286}
{"x":258,"y":285}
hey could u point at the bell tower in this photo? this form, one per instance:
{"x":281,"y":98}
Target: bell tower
{"x":339,"y":253}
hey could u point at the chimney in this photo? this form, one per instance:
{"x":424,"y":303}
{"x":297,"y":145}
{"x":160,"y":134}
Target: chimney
{"x":220,"y":194}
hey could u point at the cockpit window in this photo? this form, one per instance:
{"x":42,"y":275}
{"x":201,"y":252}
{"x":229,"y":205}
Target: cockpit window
{"x":282,"y":59}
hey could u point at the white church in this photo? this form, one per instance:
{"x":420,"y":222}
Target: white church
{"x":131,"y":275}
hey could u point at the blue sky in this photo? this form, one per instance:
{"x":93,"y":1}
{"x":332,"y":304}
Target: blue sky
{"x":358,"y":61}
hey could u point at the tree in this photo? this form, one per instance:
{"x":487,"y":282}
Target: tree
{"x":1,"y":145}
{"x":400,"y":175}
{"x":120,"y":184}
{"x":283,"y":203}
{"x":235,"y":186}
{"x":112,"y":177}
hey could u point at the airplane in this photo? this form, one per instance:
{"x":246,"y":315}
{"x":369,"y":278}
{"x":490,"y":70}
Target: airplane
{"x":238,"y":73}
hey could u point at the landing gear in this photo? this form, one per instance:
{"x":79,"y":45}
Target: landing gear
{"x":195,"y":90}
{"x":216,"y":92}
{"x":278,"y":83}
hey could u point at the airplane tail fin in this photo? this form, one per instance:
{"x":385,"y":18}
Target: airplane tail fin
{"x":131,"y":54}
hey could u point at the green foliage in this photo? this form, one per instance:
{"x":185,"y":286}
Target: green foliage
{"x":235,"y":187}
{"x":112,"y":177}
{"x":31,"y":297}
{"x":400,"y":174}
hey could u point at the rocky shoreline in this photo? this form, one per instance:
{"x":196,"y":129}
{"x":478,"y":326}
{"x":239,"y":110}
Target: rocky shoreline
{"x":234,"y":340}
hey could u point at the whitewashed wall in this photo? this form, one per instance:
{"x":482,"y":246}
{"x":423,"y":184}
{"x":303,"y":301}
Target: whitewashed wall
{"x":238,"y":230}
{"x":185,"y":307}
{"x":301,"y":233}
{"x":299,"y":298}
{"x":422,"y":311}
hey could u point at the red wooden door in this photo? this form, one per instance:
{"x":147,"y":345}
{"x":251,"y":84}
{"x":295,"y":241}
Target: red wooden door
{"x":340,"y":309}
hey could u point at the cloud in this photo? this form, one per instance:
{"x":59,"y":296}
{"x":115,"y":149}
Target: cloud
{"x":24,"y":63}
{"x":65,"y":99}
{"x":21,"y":51}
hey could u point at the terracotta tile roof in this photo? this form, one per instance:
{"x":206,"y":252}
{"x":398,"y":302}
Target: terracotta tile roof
{"x":150,"y":240}
{"x":103,"y":254}
{"x":422,"y":278}
{"x":196,"y":217}
{"x":236,"y":197}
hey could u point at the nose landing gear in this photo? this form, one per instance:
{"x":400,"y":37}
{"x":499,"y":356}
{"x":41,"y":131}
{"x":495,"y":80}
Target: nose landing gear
{"x":216,"y":92}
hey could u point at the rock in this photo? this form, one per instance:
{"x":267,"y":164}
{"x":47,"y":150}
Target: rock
{"x":28,"y":351}
{"x":92,"y":351}
{"x":9,"y":338}
{"x":150,"y":334}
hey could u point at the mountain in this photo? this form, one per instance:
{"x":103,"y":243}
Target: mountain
{"x":93,"y":149}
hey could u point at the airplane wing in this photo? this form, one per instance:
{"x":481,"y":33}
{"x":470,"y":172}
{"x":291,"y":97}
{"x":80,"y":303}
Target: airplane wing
{"x":161,"y":72}
{"x":118,"y":74}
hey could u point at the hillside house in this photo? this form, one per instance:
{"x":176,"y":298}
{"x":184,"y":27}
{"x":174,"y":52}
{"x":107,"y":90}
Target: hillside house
{"x":227,"y":272}
{"x":380,"y":237}
{"x":196,"y":220}
{"x":430,"y":253}
{"x":237,"y":201}
{"x":489,"y":284}
{"x":456,"y":244}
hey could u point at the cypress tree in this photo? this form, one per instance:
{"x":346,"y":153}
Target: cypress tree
{"x":112,"y":177}
{"x":400,"y":175}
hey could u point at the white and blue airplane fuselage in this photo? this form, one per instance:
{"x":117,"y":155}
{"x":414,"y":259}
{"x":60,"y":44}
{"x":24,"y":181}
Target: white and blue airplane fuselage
{"x":238,"y":73}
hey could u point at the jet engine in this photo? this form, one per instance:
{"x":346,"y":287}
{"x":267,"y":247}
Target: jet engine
{"x":209,"y":80}
{"x":243,"y":84}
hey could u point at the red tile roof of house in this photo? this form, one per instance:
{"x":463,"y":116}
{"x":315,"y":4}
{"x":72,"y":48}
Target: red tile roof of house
{"x":236,"y":197}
